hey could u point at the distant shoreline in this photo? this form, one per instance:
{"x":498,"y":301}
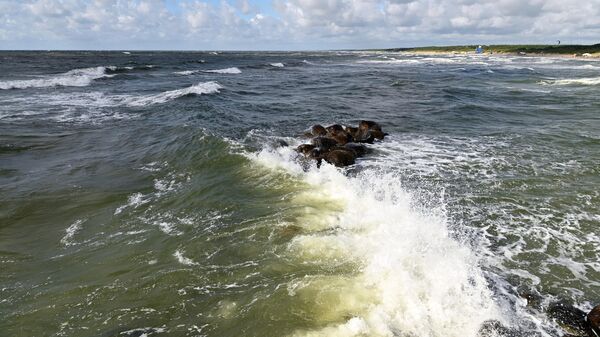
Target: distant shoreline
{"x":568,"y":51}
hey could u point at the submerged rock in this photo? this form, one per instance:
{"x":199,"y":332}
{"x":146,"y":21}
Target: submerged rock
{"x":569,"y":318}
{"x":593,"y":320}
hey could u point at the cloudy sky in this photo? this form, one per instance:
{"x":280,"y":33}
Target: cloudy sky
{"x":291,"y":24}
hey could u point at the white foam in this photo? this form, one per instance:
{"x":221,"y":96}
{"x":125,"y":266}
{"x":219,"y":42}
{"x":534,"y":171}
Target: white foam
{"x":183,"y":260}
{"x":74,"y":78}
{"x":574,"y":81}
{"x":198,"y":89}
{"x":134,"y":200}
{"x":277,"y":65}
{"x":70,"y":233}
{"x":412,"y":277}
{"x":186,"y":72}
{"x":232,"y":70}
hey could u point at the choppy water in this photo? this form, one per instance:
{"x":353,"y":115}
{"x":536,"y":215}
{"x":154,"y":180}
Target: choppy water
{"x":144,"y":193}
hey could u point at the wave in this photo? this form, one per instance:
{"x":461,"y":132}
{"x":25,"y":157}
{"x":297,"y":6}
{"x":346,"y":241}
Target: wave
{"x":198,"y":89}
{"x":73,"y":78}
{"x":186,"y":72}
{"x":232,"y":70}
{"x":573,"y":81}
{"x":411,"y":277}
{"x":277,"y":65}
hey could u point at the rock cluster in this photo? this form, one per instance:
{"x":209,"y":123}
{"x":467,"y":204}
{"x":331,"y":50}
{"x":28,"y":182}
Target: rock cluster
{"x":340,"y":145}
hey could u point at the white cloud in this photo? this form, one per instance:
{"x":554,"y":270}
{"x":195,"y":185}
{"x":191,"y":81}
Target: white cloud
{"x":297,"y":24}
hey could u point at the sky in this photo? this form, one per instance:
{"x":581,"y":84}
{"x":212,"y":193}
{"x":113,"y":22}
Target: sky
{"x":291,"y":24}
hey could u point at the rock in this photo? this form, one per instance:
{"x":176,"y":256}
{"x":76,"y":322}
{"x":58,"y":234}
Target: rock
{"x":334,"y":128}
{"x":493,"y":328}
{"x":571,"y":319}
{"x":378,"y":134}
{"x":593,"y":320}
{"x":358,"y":149}
{"x":340,"y":136}
{"x":324,"y":143}
{"x":339,"y":157}
{"x":365,"y":138}
{"x":318,"y":130}
{"x":533,"y":299}
{"x":368,"y":125}
{"x":282,"y":143}
{"x":305,"y":148}
{"x":353,"y":132}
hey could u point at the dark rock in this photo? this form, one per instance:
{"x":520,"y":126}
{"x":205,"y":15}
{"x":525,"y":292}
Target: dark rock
{"x":305,"y":148}
{"x":593,"y":320}
{"x":378,"y":134}
{"x":358,"y":149}
{"x":368,"y":125}
{"x":353,"y":132}
{"x":316,"y":153}
{"x":318,"y":130}
{"x":339,"y":157}
{"x":571,"y":319}
{"x":533,"y":299}
{"x":334,"y":128}
{"x":282,"y":143}
{"x":365,"y":138}
{"x":340,"y":136}
{"x":324,"y":143}
{"x":493,"y":328}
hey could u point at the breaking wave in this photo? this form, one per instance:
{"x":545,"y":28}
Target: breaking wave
{"x":412,"y":277}
{"x":574,"y":81}
{"x":232,"y":70}
{"x":73,"y":78}
{"x":198,"y":89}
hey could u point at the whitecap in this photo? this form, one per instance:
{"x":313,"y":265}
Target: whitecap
{"x":73,"y":78}
{"x":277,"y":65}
{"x":232,"y":70}
{"x":70,"y":233}
{"x":198,"y":89}
{"x":186,"y":72}
{"x":573,"y":81}
{"x":184,"y":260}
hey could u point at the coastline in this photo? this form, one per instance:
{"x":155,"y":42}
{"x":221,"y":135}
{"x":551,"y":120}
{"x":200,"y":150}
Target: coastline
{"x":591,"y":56}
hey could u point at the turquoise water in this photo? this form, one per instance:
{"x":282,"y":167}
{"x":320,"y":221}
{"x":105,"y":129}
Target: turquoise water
{"x":148,"y":194}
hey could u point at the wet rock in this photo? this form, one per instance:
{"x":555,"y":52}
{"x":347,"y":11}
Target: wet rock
{"x":358,"y":149}
{"x":340,"y":157}
{"x":534,"y":300}
{"x":593,"y":320}
{"x":341,"y":137}
{"x":305,"y":148}
{"x":493,"y":328}
{"x":334,"y":128}
{"x":368,"y":125}
{"x":282,"y":143}
{"x":324,"y":143}
{"x":569,"y":318}
{"x":318,"y":130}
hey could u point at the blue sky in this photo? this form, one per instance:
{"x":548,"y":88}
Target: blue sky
{"x":291,"y":24}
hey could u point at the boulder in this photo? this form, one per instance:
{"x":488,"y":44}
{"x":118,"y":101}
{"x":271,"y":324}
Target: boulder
{"x":318,"y":130}
{"x":368,"y":125}
{"x":493,"y":328}
{"x":334,"y":128}
{"x":569,"y":318}
{"x":358,"y":149}
{"x":305,"y":148}
{"x":324,"y":143}
{"x":339,"y":157}
{"x":593,"y":320}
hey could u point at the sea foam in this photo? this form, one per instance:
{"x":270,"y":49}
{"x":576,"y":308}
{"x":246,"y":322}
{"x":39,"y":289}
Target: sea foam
{"x":574,"y":81}
{"x":412,"y":278}
{"x":73,"y":78}
{"x":232,"y":70}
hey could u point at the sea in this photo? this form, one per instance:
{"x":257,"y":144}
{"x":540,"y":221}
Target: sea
{"x":159,"y":194}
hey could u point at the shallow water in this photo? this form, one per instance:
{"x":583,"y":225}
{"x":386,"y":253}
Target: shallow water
{"x":144,"y":193}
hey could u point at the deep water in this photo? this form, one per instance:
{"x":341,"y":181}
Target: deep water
{"x":146,"y":194}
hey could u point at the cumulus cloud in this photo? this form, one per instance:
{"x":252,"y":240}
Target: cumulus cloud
{"x":290,"y":24}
